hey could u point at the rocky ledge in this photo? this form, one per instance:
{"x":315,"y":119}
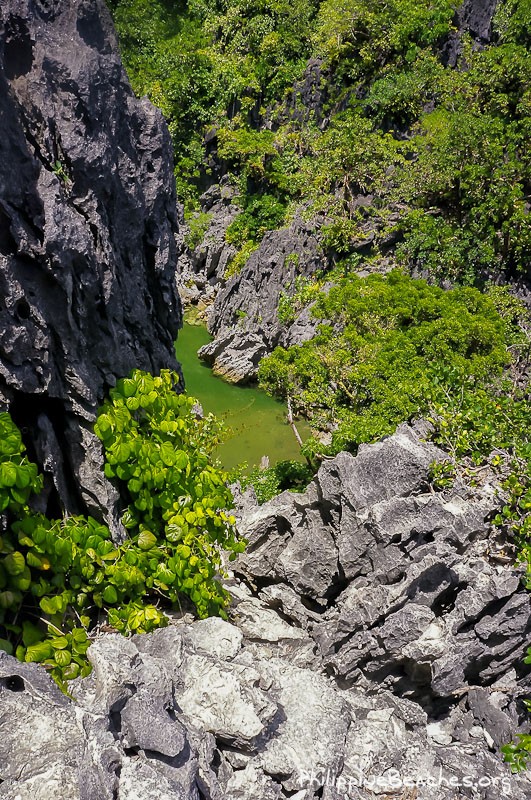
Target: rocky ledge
{"x":374,"y":650}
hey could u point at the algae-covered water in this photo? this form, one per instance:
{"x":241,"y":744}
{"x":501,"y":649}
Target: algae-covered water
{"x":256,"y":423}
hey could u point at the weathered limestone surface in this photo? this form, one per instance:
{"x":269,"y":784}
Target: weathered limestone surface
{"x":243,"y":310}
{"x":87,"y":235}
{"x":384,"y":653}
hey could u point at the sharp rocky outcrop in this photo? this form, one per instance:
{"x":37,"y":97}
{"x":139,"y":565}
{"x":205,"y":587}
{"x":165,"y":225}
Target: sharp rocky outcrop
{"x":243,"y":310}
{"x":374,"y":649}
{"x":88,"y":218}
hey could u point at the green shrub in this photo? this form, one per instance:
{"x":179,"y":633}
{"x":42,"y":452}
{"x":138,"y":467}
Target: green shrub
{"x":267,"y":483}
{"x":290,"y":305}
{"x":246,"y":148}
{"x":160,"y":453}
{"x":58,"y":577}
{"x":198,"y":225}
{"x":237,"y":263}
{"x":360,"y":36}
{"x":261,"y":214}
{"x":389,"y":348}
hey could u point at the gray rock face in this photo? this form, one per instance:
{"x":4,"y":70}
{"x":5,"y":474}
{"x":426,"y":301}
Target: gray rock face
{"x":244,"y":316}
{"x":473,"y":17}
{"x":235,"y":355}
{"x":308,"y":97}
{"x":401,"y":577}
{"x":87,"y":235}
{"x":211,"y":258}
{"x":382,"y":659}
{"x":201,"y":271}
{"x":242,"y":313}
{"x":271,"y":269}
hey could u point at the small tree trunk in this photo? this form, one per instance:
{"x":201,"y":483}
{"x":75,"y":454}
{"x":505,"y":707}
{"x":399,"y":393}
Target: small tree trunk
{"x":292,"y":424}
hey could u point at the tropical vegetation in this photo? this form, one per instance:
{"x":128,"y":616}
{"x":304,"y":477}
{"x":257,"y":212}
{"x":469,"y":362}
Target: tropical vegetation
{"x":60,"y":579}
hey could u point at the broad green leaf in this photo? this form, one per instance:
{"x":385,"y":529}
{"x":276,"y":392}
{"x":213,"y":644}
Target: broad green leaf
{"x":14,"y":563}
{"x":6,"y":646}
{"x":128,"y":387}
{"x":37,"y":561}
{"x":71,"y":671}
{"x":39,"y":651}
{"x":31,"y":634}
{"x":62,"y":658}
{"x":51,"y":605}
{"x":181,"y":459}
{"x":59,"y":642}
{"x":104,"y":427}
{"x":23,"y":478}
{"x":168,"y":454}
{"x":147,"y":540}
{"x":121,"y":451}
{"x":8,"y":474}
{"x":110,"y":595}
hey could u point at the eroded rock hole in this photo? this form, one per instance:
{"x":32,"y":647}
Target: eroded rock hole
{"x":18,"y":49}
{"x":14,"y":683}
{"x":23,"y":310}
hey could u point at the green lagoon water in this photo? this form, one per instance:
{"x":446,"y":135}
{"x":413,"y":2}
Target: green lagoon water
{"x":256,"y":423}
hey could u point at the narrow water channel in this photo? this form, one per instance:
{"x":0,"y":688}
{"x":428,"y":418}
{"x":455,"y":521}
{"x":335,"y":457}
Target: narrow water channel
{"x":256,"y":423}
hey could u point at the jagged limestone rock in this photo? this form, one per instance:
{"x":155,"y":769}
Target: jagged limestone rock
{"x":400,"y":576}
{"x":405,"y":672}
{"x":244,"y":317}
{"x":88,"y":218}
{"x":234,"y":357}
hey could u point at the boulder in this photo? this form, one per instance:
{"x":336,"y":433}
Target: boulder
{"x":234,"y":355}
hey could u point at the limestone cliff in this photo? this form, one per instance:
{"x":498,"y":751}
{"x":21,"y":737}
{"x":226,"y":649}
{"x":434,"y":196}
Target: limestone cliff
{"x":88,"y":218}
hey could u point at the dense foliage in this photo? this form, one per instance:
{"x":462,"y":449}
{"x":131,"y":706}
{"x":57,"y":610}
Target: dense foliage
{"x":59,"y":578}
{"x":440,"y":152}
{"x":387,"y":348}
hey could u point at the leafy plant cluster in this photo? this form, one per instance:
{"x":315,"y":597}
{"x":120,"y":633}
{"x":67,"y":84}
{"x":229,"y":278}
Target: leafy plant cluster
{"x":58,"y":578}
{"x":267,"y":483}
{"x":198,"y":225}
{"x":292,"y":303}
